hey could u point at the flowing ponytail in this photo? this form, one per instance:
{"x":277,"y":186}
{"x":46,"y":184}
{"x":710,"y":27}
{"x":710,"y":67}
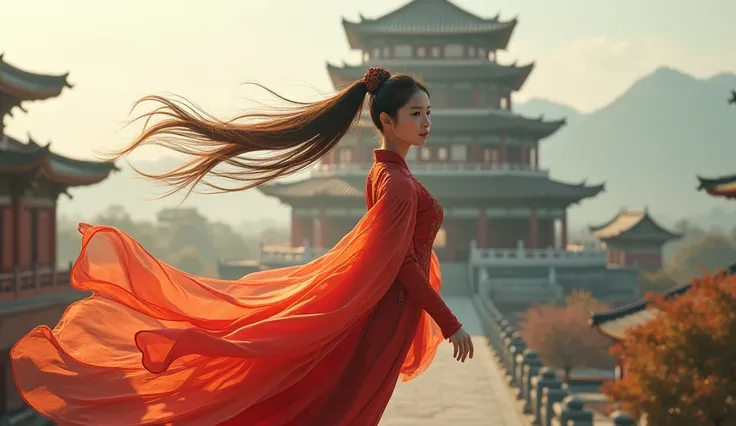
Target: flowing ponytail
{"x":296,"y":138}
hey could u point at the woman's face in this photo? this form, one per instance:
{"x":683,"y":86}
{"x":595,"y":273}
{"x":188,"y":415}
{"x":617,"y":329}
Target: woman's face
{"x":411,"y":126}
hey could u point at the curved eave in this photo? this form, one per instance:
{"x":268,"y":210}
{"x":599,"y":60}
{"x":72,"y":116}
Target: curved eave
{"x":13,"y":162}
{"x":588,"y":192}
{"x":664,"y":233}
{"x":28,"y":86}
{"x":54,"y":167}
{"x":510,"y":124}
{"x":719,"y":187}
{"x":359,"y":33}
{"x":69,"y":176}
{"x":616,"y":322}
{"x":543,"y":129}
{"x":510,"y":76}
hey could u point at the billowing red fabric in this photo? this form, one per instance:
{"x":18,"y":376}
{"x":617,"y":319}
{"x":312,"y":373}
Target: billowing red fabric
{"x":318,"y":344}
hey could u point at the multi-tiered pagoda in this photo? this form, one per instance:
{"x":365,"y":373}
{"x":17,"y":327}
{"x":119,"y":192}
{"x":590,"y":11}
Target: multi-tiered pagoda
{"x":33,"y":289}
{"x":505,"y":227}
{"x":482,"y":160}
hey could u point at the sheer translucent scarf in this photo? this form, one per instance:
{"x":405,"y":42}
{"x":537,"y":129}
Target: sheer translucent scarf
{"x":155,"y":345}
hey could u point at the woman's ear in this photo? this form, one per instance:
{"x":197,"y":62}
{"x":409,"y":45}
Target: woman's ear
{"x":385,"y":120}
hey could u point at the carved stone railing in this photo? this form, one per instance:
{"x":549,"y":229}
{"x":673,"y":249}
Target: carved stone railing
{"x":37,"y":281}
{"x":542,"y":396}
{"x":535,"y":257}
{"x":289,"y":256}
{"x":450,"y":169}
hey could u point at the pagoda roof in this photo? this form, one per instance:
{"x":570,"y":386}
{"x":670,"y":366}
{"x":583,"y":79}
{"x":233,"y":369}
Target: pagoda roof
{"x":442,"y":187}
{"x":428,"y":18}
{"x":489,"y":121}
{"x":511,"y":76}
{"x":27,"y":86}
{"x":18,"y":158}
{"x":721,"y":187}
{"x":633,"y":225}
{"x":617,"y":322}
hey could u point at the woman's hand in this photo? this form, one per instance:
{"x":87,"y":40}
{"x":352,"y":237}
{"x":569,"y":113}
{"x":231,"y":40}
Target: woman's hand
{"x":463,"y":345}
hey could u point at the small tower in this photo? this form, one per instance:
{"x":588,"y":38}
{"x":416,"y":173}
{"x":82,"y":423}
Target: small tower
{"x":634,"y":239}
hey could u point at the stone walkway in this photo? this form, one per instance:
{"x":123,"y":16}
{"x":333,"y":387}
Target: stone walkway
{"x":453,"y":393}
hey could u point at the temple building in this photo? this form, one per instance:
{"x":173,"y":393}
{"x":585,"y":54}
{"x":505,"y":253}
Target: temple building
{"x":34,"y":290}
{"x":634,"y":239}
{"x":719,"y":187}
{"x":505,"y":229}
{"x":482,"y":160}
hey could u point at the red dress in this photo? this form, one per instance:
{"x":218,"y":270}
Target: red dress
{"x":320,"y":344}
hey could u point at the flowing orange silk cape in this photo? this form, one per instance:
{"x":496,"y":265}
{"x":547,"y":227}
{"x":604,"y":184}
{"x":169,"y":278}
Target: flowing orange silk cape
{"x":155,"y":345}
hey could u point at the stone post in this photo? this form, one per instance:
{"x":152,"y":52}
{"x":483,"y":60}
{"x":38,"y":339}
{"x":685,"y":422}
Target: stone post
{"x":544,"y":379}
{"x":521,"y":362}
{"x":499,"y":326}
{"x":572,"y":409}
{"x":516,"y":346}
{"x":507,"y":332}
{"x":16,"y":280}
{"x":551,"y":394}
{"x":621,"y":419}
{"x":531,"y":366}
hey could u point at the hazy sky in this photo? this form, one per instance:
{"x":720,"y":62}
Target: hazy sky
{"x":587,"y":52}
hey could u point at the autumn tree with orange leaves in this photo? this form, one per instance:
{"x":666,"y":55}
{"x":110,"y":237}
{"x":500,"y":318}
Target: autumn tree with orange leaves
{"x":562,"y":336}
{"x":680,"y":367}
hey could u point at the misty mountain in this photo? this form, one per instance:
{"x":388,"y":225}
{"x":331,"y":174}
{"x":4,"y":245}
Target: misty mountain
{"x":648,"y":146}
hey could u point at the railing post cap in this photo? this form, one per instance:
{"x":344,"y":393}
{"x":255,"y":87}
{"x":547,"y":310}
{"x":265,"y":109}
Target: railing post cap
{"x":621,"y":419}
{"x":573,"y":403}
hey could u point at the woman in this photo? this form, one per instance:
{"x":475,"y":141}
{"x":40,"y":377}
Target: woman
{"x":319,"y":344}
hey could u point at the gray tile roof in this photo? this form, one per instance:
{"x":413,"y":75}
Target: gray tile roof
{"x":30,"y":86}
{"x":442,"y":187}
{"x":429,"y":17}
{"x":511,"y":76}
{"x":633,"y":224}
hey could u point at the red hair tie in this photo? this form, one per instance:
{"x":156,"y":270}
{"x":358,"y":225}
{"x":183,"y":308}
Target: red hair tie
{"x":375,"y":77}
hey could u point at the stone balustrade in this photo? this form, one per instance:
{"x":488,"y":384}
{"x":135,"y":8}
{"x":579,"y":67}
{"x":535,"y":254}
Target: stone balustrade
{"x":538,"y":257}
{"x":450,"y":169}
{"x":543,"y":398}
{"x":289,"y":256}
{"x":37,"y":280}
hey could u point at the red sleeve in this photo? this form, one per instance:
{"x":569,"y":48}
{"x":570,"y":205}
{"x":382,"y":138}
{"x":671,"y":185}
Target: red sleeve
{"x":397,"y":185}
{"x":418,"y":288}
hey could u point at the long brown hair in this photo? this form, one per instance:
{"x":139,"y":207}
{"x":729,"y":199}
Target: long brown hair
{"x":294,"y":139}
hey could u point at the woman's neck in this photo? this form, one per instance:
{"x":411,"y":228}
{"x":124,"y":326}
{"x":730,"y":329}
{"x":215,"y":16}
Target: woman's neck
{"x":400,"y":149}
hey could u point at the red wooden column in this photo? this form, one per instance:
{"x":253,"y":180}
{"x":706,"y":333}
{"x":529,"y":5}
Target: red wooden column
{"x":536,"y":157}
{"x":502,"y":151}
{"x":563,"y":231}
{"x":8,"y":239}
{"x":19,"y":226}
{"x":533,"y":229}
{"x":52,"y":236}
{"x":525,"y":158}
{"x":320,"y":222}
{"x":297,"y":239}
{"x":482,"y":236}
